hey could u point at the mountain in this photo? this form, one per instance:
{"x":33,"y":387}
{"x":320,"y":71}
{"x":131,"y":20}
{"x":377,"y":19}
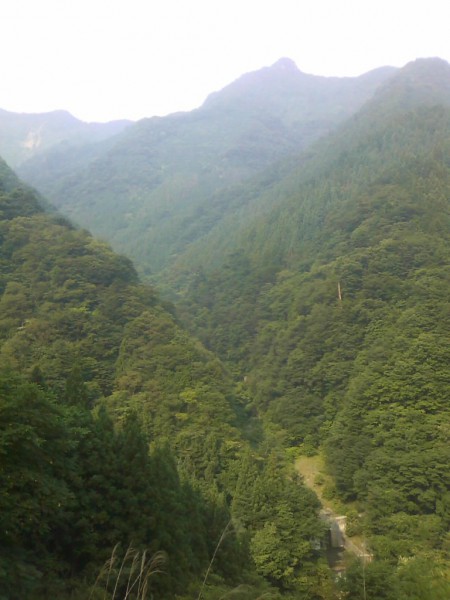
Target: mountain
{"x":26,"y":135}
{"x":78,"y":331}
{"x":147,"y":193}
{"x":316,"y":280}
{"x":333,"y":306}
{"x":377,"y":123}
{"x":123,"y":441}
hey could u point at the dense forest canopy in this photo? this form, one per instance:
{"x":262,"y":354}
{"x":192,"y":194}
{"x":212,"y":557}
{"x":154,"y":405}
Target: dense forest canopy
{"x":335,"y":306}
{"x":117,"y":428}
{"x":310,"y":314}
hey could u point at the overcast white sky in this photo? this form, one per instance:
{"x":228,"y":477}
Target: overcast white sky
{"x":108,"y":59}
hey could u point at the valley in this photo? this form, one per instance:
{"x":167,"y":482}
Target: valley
{"x":224,"y":339}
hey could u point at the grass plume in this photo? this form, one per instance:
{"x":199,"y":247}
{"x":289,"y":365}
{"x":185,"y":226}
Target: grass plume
{"x":128,"y":577}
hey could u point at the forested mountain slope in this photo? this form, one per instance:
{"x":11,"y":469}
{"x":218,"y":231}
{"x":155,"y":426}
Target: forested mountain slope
{"x":347,"y":150}
{"x":72,"y":317}
{"x":95,"y":371}
{"x":151,"y":194}
{"x":334,"y":307}
{"x":26,"y":135}
{"x":330,"y":310}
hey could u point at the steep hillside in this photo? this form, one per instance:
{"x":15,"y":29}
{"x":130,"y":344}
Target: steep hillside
{"x":95,"y":370}
{"x":334,"y":308}
{"x":68,"y":300}
{"x":374,"y":137}
{"x":324,"y":291}
{"x":26,"y":135}
{"x":146,"y":193}
{"x":78,"y":331}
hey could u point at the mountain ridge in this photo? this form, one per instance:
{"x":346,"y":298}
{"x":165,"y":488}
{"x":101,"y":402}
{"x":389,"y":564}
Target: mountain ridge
{"x":380,"y":113}
{"x":332,"y":305}
{"x":166,"y":168}
{"x":323,"y":290}
{"x":24,"y":135}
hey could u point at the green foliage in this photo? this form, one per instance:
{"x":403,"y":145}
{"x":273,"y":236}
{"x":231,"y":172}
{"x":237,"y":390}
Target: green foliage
{"x":422,"y":578}
{"x":74,"y":486}
{"x":334,"y":308}
{"x":280,"y":515}
{"x":76,"y":310}
{"x":99,"y":369}
{"x":78,"y":331}
{"x":36,"y":452}
{"x":331,"y":310}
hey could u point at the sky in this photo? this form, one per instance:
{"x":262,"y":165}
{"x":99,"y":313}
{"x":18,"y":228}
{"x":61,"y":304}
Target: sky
{"x":111,"y":59}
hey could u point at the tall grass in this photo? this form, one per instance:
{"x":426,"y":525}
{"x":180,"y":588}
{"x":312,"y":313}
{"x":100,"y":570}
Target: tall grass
{"x":127,"y":578}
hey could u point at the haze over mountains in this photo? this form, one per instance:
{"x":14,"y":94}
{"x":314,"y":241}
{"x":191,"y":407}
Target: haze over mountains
{"x":25,"y":135}
{"x":158,"y":178}
{"x":301,"y":226}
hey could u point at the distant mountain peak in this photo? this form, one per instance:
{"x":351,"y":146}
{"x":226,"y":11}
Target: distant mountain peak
{"x":422,"y":81}
{"x":285,"y":64}
{"x":425,"y":70}
{"x":427,"y":62}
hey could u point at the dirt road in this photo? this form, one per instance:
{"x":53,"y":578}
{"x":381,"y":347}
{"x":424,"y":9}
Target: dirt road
{"x":312,"y":469}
